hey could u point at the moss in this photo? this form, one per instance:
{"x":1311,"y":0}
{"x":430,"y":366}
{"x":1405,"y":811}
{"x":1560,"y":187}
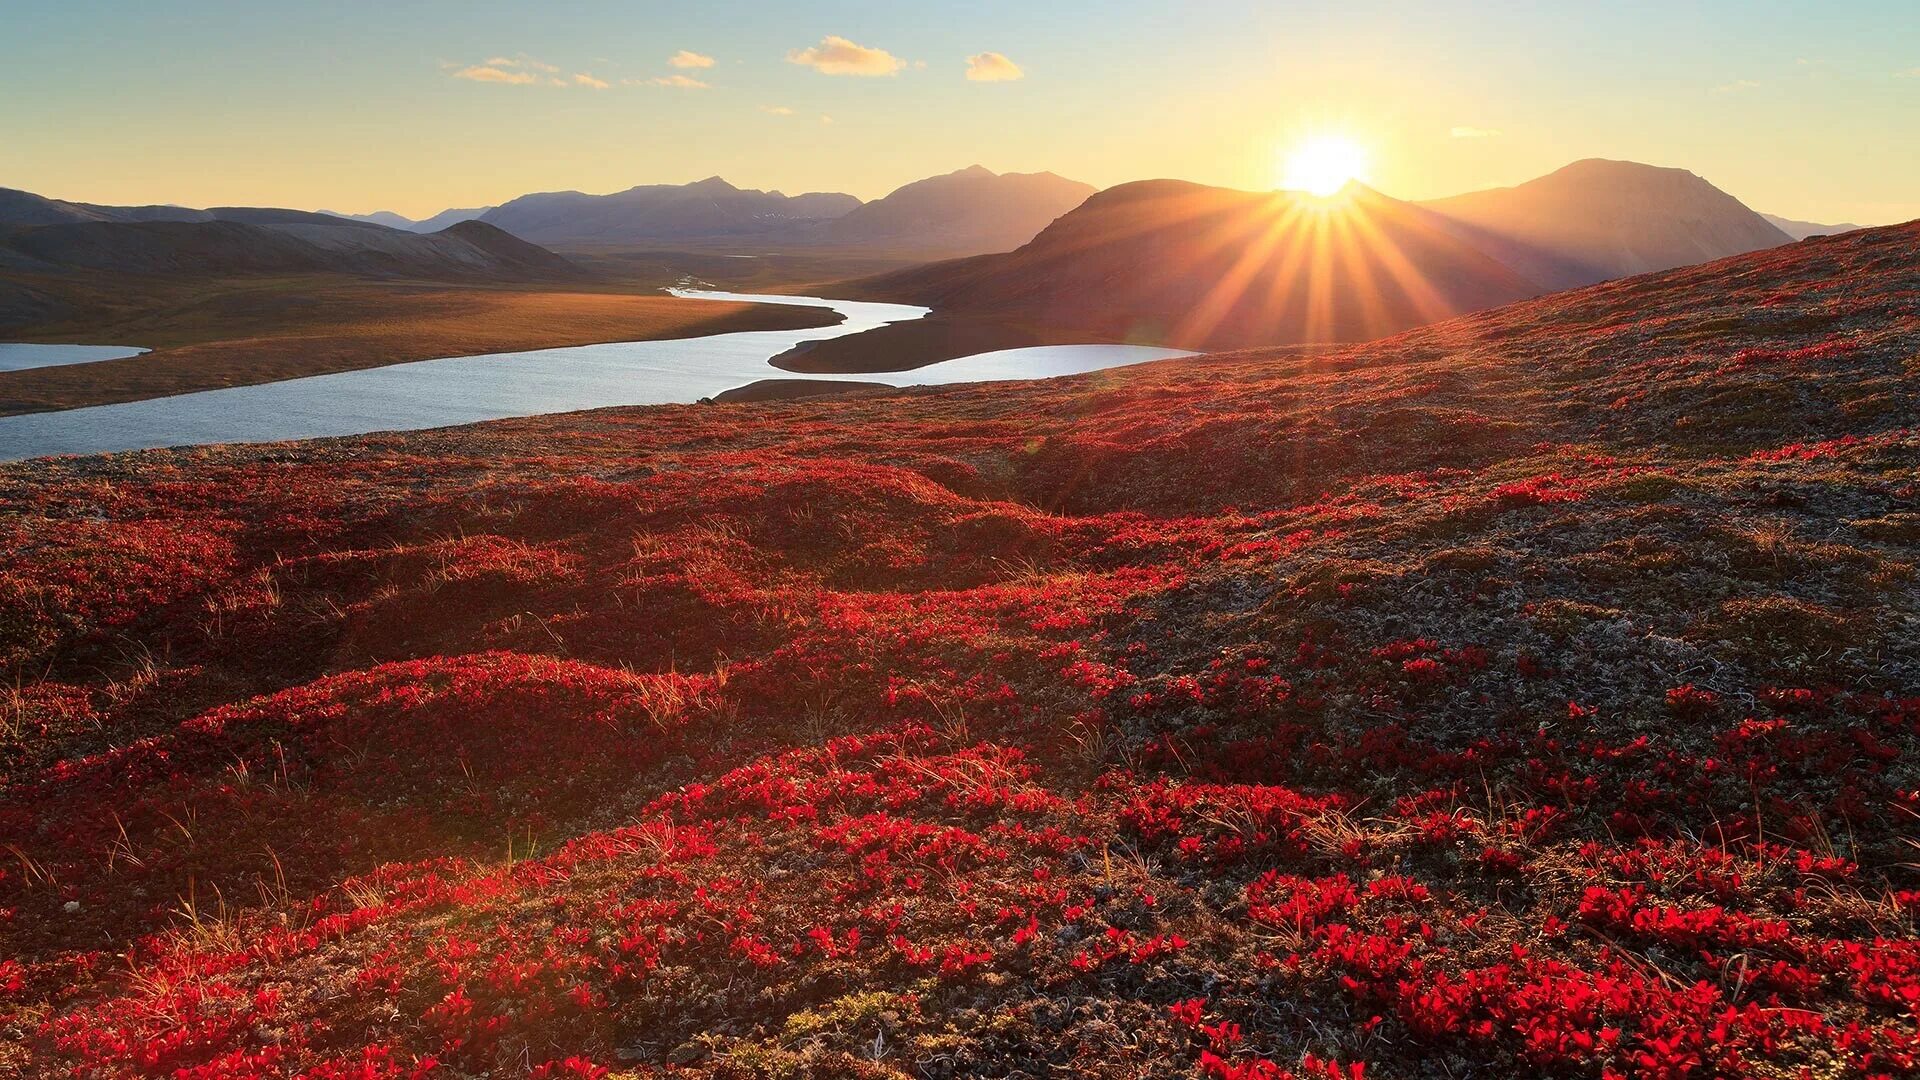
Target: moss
{"x":1648,"y":488}
{"x":849,"y":1011}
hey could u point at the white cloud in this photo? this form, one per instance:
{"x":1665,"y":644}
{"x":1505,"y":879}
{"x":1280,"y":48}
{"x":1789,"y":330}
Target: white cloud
{"x":838,"y":56}
{"x":585,"y":79}
{"x":687,"y":58}
{"x":1468,"y":131}
{"x":776,"y":110}
{"x":992,"y":67}
{"x":495,"y":74}
{"x":521,"y":70}
{"x":1910,"y":73}
{"x":675,"y":82}
{"x":1735,"y":86}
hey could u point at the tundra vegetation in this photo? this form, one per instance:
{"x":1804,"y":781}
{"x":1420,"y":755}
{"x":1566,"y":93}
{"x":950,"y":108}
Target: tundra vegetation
{"x":1537,"y":692}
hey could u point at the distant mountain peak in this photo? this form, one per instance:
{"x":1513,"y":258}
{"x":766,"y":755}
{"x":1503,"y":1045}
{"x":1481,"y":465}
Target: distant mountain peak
{"x":657,"y":213}
{"x":965,"y":212}
{"x":1597,"y":218}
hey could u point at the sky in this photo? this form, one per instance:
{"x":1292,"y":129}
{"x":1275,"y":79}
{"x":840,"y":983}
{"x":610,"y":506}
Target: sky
{"x":1806,"y":110}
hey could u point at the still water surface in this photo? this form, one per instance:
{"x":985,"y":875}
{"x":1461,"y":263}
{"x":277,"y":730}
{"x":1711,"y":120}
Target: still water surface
{"x":468,"y":389}
{"x":21,"y":357}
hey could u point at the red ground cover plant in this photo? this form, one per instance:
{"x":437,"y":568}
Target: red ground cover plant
{"x":1537,"y":693}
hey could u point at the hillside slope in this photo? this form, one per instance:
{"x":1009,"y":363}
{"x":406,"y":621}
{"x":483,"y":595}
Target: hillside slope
{"x":969,"y":212}
{"x":1203,"y":267}
{"x":1534,"y":693}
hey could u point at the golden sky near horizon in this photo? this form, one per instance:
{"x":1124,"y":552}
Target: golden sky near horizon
{"x":361,"y":107}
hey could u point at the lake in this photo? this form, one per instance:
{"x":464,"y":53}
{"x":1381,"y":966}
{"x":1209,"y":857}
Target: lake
{"x":21,"y":357}
{"x":469,"y":389}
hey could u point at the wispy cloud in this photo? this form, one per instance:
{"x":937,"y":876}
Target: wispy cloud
{"x":1735,"y":87}
{"x":1468,"y":131}
{"x":520,"y":61}
{"x":494,"y":73}
{"x":583,"y":78}
{"x":992,"y":67}
{"x":674,"y":82}
{"x":1910,"y":73}
{"x":838,"y":56}
{"x":776,"y":110}
{"x":687,"y":58}
{"x":521,"y":70}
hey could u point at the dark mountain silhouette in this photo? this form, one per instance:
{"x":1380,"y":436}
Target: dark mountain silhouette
{"x":1211,"y":268}
{"x":21,"y":208}
{"x":963,"y":213}
{"x":1800,"y":230}
{"x":379,"y":217}
{"x":446,"y":218}
{"x":1204,"y":267}
{"x":469,"y":250}
{"x":655,"y":213}
{"x":425,"y":225}
{"x":1596,"y":219}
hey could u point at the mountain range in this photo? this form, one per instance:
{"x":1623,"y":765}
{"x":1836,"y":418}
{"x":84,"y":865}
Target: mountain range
{"x":24,"y":208}
{"x":1199,"y":267}
{"x":1163,"y":261}
{"x":39,"y":235}
{"x":657,"y":213}
{"x":406,"y":224}
{"x":968,"y":212}
{"x":1801,"y":230}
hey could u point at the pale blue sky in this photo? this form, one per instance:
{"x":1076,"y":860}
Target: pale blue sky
{"x":1809,"y":110}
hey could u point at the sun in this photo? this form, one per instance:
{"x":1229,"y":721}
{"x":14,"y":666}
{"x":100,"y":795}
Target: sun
{"x":1323,"y":165}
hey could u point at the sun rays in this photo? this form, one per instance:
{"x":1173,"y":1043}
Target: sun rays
{"x":1323,"y":164}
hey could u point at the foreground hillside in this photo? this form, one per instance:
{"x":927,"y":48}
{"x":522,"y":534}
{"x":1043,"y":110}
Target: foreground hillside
{"x":1533,"y":693}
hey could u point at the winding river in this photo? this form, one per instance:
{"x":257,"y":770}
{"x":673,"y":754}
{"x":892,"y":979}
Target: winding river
{"x":468,"y":389}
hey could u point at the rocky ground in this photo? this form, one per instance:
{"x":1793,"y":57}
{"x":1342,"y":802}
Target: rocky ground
{"x":1533,"y":693}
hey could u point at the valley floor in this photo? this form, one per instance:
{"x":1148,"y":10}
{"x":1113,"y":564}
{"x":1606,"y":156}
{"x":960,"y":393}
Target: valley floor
{"x":1536,"y":693}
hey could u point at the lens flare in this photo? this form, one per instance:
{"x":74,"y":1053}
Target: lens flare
{"x":1323,"y":165}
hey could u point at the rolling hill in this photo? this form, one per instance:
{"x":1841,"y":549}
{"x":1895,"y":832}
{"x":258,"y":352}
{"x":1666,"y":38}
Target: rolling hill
{"x":1202,"y":267}
{"x":238,"y":247}
{"x":969,"y":212}
{"x":1536,"y":693}
{"x":665,"y":213}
